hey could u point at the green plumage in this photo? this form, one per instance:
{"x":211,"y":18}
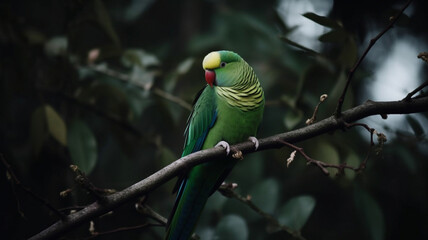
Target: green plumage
{"x":230,"y":110}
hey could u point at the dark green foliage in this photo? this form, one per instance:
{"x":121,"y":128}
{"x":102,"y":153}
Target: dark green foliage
{"x":107,"y":85}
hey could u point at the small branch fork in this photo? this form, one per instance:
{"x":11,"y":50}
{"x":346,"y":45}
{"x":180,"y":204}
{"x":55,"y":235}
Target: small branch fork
{"x":142,"y":208}
{"x":84,"y":182}
{"x":100,"y":195}
{"x":393,"y":20}
{"x":341,"y":167}
{"x":424,"y":57}
{"x":145,"y":210}
{"x":322,"y":165}
{"x":410,"y":95}
{"x":227,"y":190}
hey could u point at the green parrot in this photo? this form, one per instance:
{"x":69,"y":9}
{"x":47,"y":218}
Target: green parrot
{"x":227,"y":111}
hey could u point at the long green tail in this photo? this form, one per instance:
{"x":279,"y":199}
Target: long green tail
{"x":202,"y":181}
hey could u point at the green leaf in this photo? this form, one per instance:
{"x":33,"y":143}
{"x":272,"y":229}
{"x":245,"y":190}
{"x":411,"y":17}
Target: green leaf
{"x":334,"y":36}
{"x":370,"y":213}
{"x":139,"y":57}
{"x":415,"y":125}
{"x":38,"y":129}
{"x":232,"y":227}
{"x":138,"y":101}
{"x":82,"y":145}
{"x":141,"y":77}
{"x":141,"y":63}
{"x":134,"y":10}
{"x":56,"y":126}
{"x":324,"y":21}
{"x":290,"y":101}
{"x":296,"y":212}
{"x":265,"y":195}
{"x":56,"y":46}
{"x":103,"y":18}
{"x":34,"y":36}
{"x":206,"y":233}
{"x":299,"y":46}
{"x":185,"y":65}
{"x":292,"y":118}
{"x":46,"y":122}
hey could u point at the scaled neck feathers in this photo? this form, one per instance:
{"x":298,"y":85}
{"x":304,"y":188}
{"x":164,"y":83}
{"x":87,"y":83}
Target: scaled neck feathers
{"x":246,"y":94}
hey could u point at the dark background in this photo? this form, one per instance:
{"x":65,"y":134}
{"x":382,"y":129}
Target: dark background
{"x":61,"y":107}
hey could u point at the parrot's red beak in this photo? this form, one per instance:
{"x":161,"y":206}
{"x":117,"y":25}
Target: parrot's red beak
{"x":210,"y":77}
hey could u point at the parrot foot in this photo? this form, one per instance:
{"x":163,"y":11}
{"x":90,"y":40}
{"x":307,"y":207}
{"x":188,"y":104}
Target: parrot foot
{"x":255,"y":141}
{"x":224,"y":145}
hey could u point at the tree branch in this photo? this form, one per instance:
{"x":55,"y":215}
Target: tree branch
{"x":163,"y":175}
{"x":393,"y":19}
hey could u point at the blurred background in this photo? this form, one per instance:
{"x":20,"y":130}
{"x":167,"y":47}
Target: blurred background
{"x":108,"y":85}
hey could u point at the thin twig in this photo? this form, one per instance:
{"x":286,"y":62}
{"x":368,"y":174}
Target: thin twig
{"x":410,"y":95}
{"x":144,"y":209}
{"x":423,"y":56}
{"x":172,"y":98}
{"x":393,"y":20}
{"x":341,"y":167}
{"x":83,"y":181}
{"x":322,"y":165}
{"x":227,"y":190}
{"x":18,"y":183}
{"x":65,"y":192}
{"x":127,"y":78}
{"x":123,"y":229}
{"x":371,"y":131}
{"x":314,"y":115}
{"x":71,"y":208}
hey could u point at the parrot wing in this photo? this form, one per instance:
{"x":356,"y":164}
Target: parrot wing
{"x":200,"y":121}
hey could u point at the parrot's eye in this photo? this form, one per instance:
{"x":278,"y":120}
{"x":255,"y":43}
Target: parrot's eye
{"x":222,"y":64}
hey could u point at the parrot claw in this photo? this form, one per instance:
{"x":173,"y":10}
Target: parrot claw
{"x":255,"y":141}
{"x":224,"y":145}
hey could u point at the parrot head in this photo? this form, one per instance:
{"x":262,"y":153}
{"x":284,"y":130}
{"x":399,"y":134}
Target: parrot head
{"x":222,"y":68}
